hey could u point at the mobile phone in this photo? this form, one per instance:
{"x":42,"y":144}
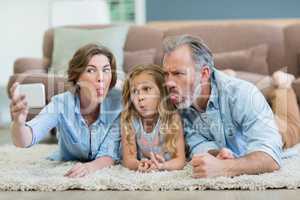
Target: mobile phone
{"x":34,"y":93}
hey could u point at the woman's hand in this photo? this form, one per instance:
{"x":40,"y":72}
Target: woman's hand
{"x":81,"y":170}
{"x":18,"y":106}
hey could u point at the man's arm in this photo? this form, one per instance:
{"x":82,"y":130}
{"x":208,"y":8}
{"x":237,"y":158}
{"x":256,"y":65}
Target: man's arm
{"x":196,"y":142}
{"x":253,"y":163}
{"x":264,"y":145}
{"x":206,"y":165}
{"x":258,"y":126}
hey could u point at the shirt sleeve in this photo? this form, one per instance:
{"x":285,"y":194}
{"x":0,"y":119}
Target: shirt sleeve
{"x":44,"y":121}
{"x":196,"y":143}
{"x":255,"y":117}
{"x":111,"y":144}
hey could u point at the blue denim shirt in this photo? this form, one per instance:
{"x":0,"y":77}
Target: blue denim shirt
{"x":237,"y":117}
{"x":76,"y":140}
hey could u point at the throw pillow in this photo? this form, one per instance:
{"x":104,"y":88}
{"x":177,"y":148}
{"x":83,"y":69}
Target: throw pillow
{"x":68,"y":40}
{"x":132,"y":58}
{"x":251,"y":60}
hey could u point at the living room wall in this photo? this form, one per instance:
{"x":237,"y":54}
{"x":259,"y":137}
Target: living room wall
{"x":22,"y":26}
{"x":215,"y":9}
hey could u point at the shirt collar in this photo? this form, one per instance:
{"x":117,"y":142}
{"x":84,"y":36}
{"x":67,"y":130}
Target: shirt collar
{"x":77,"y":103}
{"x":214,"y":95}
{"x":213,"y":101}
{"x":100,"y":118}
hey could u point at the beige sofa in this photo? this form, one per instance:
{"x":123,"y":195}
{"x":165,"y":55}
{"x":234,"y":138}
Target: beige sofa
{"x":281,"y":37}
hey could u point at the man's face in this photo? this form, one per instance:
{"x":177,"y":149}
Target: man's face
{"x":181,"y":76}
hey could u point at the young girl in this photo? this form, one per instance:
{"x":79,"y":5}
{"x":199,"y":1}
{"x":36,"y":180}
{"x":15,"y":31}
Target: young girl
{"x":152,"y":135}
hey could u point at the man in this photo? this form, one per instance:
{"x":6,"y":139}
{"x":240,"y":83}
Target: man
{"x":229,"y":126}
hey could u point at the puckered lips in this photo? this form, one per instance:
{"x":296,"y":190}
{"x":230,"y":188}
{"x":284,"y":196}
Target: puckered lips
{"x":142,"y":108}
{"x":100,"y":91}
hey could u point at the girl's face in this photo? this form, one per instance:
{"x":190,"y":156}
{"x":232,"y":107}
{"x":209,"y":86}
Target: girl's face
{"x":94,"y":82}
{"x":145,"y":95}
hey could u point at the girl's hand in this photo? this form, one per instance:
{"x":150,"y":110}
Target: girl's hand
{"x":158,"y":161}
{"x":80,"y":170}
{"x":225,"y":154}
{"x":145,"y":165}
{"x":18,"y":106}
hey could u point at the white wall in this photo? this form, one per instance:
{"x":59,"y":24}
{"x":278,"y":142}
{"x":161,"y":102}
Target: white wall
{"x":22,"y":26}
{"x":23,"y":23}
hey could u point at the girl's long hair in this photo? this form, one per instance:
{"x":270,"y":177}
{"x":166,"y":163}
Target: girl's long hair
{"x":168,"y":127}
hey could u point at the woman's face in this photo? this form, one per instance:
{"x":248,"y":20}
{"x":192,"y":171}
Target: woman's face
{"x":145,"y":95}
{"x":94,"y":82}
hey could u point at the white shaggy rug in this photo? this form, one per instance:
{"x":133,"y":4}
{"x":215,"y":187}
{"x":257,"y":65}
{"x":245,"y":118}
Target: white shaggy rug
{"x":28,"y":170}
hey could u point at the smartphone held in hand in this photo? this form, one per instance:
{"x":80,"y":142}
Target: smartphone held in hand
{"x":34,"y":93}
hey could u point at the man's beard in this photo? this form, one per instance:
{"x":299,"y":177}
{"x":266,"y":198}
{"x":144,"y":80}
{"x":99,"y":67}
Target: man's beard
{"x":190,"y":99}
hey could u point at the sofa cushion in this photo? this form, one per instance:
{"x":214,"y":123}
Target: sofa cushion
{"x":252,"y":60}
{"x":143,"y":37}
{"x":262,"y":82}
{"x":132,"y":58}
{"x":48,"y":38}
{"x":68,"y":40}
{"x":236,"y":36}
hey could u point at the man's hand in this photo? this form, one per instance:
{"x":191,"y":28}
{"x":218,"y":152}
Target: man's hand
{"x":81,"y":170}
{"x":205,"y":165}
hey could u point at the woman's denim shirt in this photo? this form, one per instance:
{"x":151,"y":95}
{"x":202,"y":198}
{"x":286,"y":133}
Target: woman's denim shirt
{"x":76,"y":140}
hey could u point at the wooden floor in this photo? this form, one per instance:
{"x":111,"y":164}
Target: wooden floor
{"x":112,"y":195}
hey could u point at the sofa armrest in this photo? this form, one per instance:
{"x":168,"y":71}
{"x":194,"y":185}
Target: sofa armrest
{"x":31,"y":65}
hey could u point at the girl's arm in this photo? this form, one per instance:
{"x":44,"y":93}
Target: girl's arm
{"x":178,"y":162}
{"x":129,"y":151}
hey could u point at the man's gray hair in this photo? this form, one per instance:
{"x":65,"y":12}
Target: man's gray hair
{"x":201,"y":54}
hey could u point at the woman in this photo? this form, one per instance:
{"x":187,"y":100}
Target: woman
{"x":87,"y":118}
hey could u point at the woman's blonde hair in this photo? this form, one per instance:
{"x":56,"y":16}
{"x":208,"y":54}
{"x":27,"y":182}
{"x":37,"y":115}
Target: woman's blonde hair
{"x":166,"y":110}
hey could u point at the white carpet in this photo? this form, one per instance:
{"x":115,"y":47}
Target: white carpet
{"x":27,"y":170}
